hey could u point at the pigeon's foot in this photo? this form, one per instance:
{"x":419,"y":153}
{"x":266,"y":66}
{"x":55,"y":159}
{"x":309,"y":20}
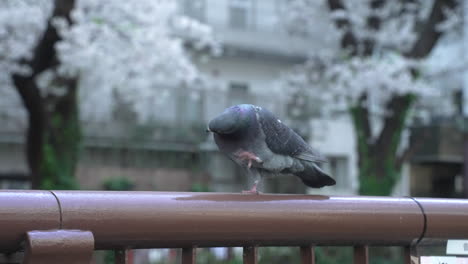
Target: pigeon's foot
{"x":253,"y":190}
{"x":249,"y":157}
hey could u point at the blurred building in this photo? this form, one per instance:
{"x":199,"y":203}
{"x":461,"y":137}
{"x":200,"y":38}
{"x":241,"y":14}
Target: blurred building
{"x":257,"y":49}
{"x":436,"y":166}
{"x":13,"y":168}
{"x":174,"y":152}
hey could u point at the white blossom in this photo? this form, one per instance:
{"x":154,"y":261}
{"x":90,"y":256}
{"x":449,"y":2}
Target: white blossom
{"x":338,"y":84}
{"x":125,"y":48}
{"x":21,"y":26}
{"x":337,"y":81}
{"x":399,"y":20}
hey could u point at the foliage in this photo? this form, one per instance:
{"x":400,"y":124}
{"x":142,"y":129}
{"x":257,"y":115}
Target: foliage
{"x":61,"y":147}
{"x":199,"y":187}
{"x":279,"y":255}
{"x":109,"y":257}
{"x":118,"y":184}
{"x":385,"y":255}
{"x":331,"y":255}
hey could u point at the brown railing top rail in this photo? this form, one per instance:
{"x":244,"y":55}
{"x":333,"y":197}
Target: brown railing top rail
{"x":168,"y":219}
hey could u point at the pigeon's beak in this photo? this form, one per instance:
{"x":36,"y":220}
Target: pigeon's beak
{"x":208,"y":130}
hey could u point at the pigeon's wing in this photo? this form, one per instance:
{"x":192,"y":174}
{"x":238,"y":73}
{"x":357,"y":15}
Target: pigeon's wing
{"x":281,"y":139}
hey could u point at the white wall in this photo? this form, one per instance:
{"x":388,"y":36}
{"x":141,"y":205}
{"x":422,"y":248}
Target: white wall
{"x":267,"y":32}
{"x":258,"y":74}
{"x":335,"y":138}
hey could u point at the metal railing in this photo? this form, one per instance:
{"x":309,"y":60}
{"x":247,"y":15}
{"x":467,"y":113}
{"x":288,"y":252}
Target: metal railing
{"x":66,"y":226}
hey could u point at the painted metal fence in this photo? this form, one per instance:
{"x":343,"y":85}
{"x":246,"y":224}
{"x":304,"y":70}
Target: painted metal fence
{"x":67,"y":226}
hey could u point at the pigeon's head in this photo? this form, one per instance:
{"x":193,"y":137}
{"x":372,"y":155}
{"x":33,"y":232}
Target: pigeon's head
{"x":233,"y":120}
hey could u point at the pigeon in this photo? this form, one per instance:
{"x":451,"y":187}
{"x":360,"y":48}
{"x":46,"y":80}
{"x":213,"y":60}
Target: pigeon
{"x":259,"y":142}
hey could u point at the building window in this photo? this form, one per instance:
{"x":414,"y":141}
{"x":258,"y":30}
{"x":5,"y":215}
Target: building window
{"x":240,"y":14}
{"x":195,"y":9}
{"x":238,"y":93}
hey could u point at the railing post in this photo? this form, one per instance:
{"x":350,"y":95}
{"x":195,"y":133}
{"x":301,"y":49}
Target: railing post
{"x":250,"y":255}
{"x":12,"y":258}
{"x":410,"y":255}
{"x":308,"y":255}
{"x":189,"y":255}
{"x":123,"y":256}
{"x":361,"y":255}
{"x":59,"y":246}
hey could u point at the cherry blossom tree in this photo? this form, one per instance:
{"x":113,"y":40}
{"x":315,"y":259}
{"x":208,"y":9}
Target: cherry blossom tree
{"x":375,"y":75}
{"x":56,"y":53}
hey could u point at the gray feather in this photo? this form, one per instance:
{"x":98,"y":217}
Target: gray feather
{"x":283,"y":140}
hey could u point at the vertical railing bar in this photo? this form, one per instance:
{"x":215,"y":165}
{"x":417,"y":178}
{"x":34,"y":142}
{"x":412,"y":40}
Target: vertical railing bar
{"x":308,"y":255}
{"x":15,"y":257}
{"x":361,"y":255}
{"x":407,"y":254}
{"x":230,"y":253}
{"x":250,"y":254}
{"x":189,"y":255}
{"x":410,"y":255}
{"x":122,"y":256}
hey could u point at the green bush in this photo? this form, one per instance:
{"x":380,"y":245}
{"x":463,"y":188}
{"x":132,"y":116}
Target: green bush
{"x":199,"y":187}
{"x":118,"y":184}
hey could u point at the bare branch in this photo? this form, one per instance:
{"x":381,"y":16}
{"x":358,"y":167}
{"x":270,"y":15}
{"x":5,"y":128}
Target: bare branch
{"x":348,"y":41}
{"x":428,"y":35}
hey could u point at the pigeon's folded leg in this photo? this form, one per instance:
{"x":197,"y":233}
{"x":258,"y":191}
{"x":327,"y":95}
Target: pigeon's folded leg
{"x":248,"y":156}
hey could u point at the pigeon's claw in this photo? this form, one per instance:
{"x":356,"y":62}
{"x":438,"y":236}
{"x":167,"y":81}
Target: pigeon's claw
{"x":253,"y":190}
{"x":249,"y":157}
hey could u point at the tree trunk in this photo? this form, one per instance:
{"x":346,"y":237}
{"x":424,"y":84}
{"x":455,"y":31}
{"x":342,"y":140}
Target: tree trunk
{"x":34,"y":105}
{"x":53,"y":133}
{"x":378,"y":161}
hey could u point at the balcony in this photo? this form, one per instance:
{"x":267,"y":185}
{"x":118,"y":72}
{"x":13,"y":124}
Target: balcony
{"x":439,"y":142}
{"x":256,"y":28}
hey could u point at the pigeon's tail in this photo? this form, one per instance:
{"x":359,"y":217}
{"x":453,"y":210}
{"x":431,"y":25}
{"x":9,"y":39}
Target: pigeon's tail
{"x":314,"y":177}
